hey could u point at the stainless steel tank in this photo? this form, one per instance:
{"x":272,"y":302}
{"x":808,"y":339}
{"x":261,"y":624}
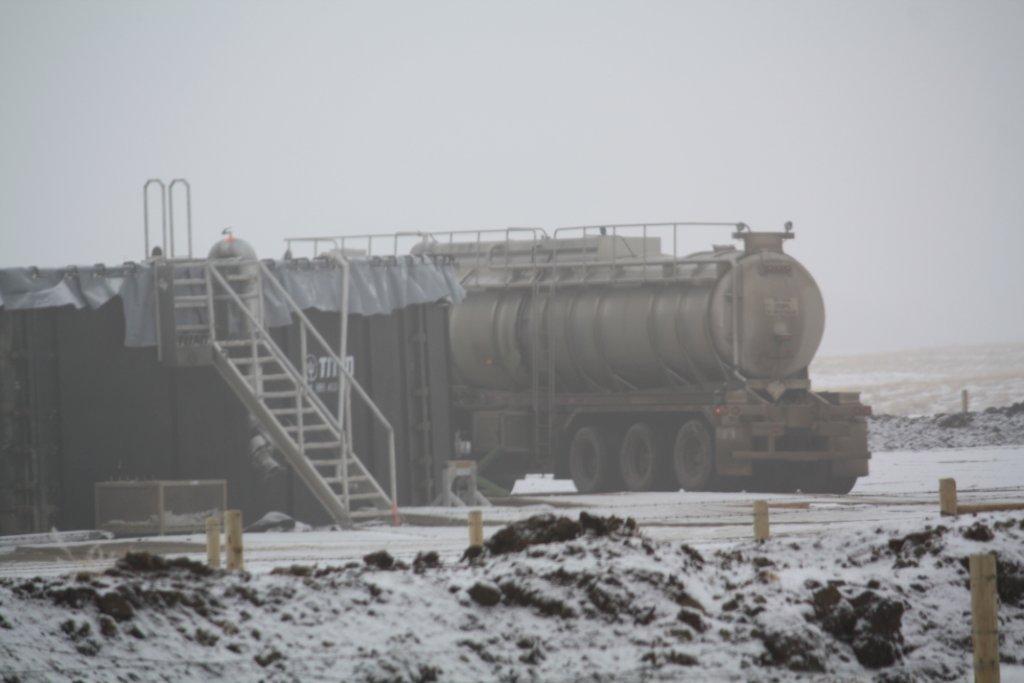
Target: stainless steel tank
{"x":638,"y":324}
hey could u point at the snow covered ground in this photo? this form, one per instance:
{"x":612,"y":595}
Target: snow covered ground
{"x":612,"y":605}
{"x":551,"y":599}
{"x":927,"y":381}
{"x":992,"y":427}
{"x":902,"y":486}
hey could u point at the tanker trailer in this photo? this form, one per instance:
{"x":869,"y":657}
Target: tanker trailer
{"x":594,"y":353}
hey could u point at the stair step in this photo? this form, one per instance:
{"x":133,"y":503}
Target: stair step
{"x":290,"y":411}
{"x":364,"y":496}
{"x":321,"y":427}
{"x":230,"y":343}
{"x":250,"y":360}
{"x":192,"y":328}
{"x":351,"y":480}
{"x":367,"y":514}
{"x":275,"y":377}
{"x":277,"y":394}
{"x":189,"y":281}
{"x":334,"y":462}
{"x":190,"y":304}
{"x":322,"y":445}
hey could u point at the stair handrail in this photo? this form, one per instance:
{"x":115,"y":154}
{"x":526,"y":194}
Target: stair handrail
{"x":349,"y":377}
{"x":281,"y":358}
{"x":145,"y":214}
{"x":188,"y":213}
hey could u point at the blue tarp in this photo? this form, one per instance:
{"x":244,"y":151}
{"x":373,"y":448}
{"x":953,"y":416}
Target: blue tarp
{"x":376,"y":286}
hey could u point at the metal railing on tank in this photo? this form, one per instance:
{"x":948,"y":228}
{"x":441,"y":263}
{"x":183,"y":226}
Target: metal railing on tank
{"x":419,"y":243}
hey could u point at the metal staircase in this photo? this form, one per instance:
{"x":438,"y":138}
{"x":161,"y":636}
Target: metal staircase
{"x":212,"y":312}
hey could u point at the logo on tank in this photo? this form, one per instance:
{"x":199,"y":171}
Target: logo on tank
{"x":322,"y":372}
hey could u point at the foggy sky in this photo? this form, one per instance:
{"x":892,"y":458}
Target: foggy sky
{"x":890,"y":133}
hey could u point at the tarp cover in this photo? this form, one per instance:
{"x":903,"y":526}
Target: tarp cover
{"x":376,"y":286}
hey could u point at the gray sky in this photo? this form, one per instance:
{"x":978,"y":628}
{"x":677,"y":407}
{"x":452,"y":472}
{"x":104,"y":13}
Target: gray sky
{"x":891,"y":133}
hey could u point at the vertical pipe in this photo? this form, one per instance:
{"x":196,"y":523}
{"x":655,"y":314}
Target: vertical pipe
{"x":209,"y":300}
{"x":391,"y":467}
{"x":300,"y":436}
{"x":161,"y":520}
{"x":736,"y":315}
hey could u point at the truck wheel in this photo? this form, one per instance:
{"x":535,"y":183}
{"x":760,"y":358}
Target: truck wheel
{"x":591,"y":466}
{"x":693,"y":456}
{"x":839,"y":485}
{"x":820,"y":480}
{"x":642,"y":458}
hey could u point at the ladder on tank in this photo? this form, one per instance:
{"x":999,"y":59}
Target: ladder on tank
{"x":211,"y":312}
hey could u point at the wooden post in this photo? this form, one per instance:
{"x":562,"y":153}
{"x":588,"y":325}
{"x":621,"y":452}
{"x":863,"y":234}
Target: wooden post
{"x":233,"y":523}
{"x":761,"y":520}
{"x":947,"y":497}
{"x":984,"y":621}
{"x":476,"y":528}
{"x":160,"y":507}
{"x":213,"y":542}
{"x":964,"y":402}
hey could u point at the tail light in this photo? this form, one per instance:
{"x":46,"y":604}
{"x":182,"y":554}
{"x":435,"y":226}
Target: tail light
{"x":721,"y":410}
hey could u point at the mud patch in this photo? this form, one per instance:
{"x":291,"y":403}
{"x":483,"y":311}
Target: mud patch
{"x":870,"y":623}
{"x":978,"y":532}
{"x":549,"y":528}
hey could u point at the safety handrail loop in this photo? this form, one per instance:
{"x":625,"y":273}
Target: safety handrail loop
{"x":188,"y":213}
{"x":145,"y":213}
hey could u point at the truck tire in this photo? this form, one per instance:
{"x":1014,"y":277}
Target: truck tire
{"x":820,"y":480}
{"x":643,"y":459}
{"x":840,"y":485}
{"x":591,"y":464}
{"x":693,"y":456}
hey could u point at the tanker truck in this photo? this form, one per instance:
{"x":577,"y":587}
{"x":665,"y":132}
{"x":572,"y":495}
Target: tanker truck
{"x":601,"y":354}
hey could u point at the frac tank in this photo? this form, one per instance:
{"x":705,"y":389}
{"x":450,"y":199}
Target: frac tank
{"x":612,"y":313}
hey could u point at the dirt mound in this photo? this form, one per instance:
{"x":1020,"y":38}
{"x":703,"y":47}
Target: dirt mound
{"x":143,"y":562}
{"x":589,"y":595}
{"x":978,"y":532}
{"x":993,"y":427}
{"x":868,"y":622}
{"x":548,"y":528}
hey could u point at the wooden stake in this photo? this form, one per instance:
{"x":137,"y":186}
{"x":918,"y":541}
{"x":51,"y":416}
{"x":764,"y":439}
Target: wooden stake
{"x":761,"y":532}
{"x":233,"y":523}
{"x":213,"y":542}
{"x":947,"y":497}
{"x":476,"y":528}
{"x":984,"y":621}
{"x":963,"y":402}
